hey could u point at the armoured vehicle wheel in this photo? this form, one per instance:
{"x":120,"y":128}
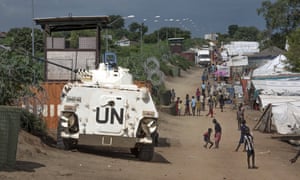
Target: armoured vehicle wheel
{"x":155,"y":137}
{"x":146,"y":152}
{"x":69,"y":144}
{"x":134,"y":151}
{"x":59,"y":143}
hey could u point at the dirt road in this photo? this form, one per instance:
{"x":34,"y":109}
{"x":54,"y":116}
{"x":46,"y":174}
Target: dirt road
{"x":180,"y":154}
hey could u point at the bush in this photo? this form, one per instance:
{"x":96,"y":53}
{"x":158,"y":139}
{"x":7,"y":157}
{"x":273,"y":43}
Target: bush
{"x":32,"y":123}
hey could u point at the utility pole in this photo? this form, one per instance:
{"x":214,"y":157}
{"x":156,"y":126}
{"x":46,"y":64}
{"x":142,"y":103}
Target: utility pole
{"x":32,"y":28}
{"x":142,"y":38}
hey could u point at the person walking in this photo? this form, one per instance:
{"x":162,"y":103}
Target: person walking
{"x":210,"y":107}
{"x":187,"y":105}
{"x":206,"y":137}
{"x":177,"y":105}
{"x":249,"y":143}
{"x":222,"y":102}
{"x":180,"y":107}
{"x":208,"y":88}
{"x":243,"y":132}
{"x":193,"y":105}
{"x":240,"y":115}
{"x":173,"y":95}
{"x":198,"y":107}
{"x":203,"y":87}
{"x":202,"y":101}
{"x":218,"y":133}
{"x":198,"y":93}
{"x":215,"y":98}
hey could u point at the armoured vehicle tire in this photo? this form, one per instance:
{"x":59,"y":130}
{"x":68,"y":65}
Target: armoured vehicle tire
{"x":59,"y":139}
{"x":69,"y":143}
{"x":146,"y":152}
{"x":134,"y":151}
{"x":155,"y":137}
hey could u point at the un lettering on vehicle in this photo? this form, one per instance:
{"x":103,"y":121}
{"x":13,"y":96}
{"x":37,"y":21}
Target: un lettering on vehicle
{"x":109,"y":121}
{"x":109,"y":115}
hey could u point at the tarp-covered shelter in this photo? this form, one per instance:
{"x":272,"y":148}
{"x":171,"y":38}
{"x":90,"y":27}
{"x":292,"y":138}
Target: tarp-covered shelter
{"x":277,"y":87}
{"x":242,"y":47}
{"x":238,"y":61}
{"x":264,"y":56}
{"x":275,"y":69}
{"x":283,"y":116}
{"x":278,"y":100}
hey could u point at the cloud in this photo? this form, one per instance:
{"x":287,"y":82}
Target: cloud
{"x":208,"y":16}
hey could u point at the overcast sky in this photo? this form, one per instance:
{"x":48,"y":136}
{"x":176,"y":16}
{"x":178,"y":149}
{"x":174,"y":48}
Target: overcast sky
{"x":198,"y":16}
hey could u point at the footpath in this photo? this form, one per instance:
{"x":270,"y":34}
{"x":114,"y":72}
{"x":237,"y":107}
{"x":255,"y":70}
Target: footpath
{"x":272,"y":156}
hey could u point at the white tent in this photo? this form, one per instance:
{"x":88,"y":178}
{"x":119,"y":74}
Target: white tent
{"x":282,"y":94}
{"x":286,"y":118}
{"x":285,"y":113}
{"x":277,"y":87}
{"x":237,"y":61}
{"x":272,"y":68}
{"x":242,"y":47}
{"x":278,"y":100}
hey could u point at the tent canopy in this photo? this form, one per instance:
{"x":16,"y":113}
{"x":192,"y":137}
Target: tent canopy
{"x":272,"y":68}
{"x":277,"y":87}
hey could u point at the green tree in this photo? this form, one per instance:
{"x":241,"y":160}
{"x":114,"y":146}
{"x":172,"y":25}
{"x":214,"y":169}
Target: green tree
{"x":18,"y":74}
{"x":293,"y":53}
{"x":151,"y":38}
{"x":116,"y":22}
{"x":135,"y":31}
{"x":20,"y":38}
{"x":240,"y":33}
{"x":134,"y":27}
{"x":232,"y":29}
{"x":246,"y":34}
{"x":282,"y":17}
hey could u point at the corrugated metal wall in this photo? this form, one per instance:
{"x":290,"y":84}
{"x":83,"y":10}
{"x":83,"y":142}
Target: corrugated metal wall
{"x":53,"y":92}
{"x":46,"y":103}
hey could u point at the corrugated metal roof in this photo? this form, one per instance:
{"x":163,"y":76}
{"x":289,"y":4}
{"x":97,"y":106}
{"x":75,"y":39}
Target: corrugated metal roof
{"x":68,"y":23}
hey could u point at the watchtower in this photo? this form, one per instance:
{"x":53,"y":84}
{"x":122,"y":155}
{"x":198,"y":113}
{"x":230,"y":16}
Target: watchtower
{"x":86,"y":52}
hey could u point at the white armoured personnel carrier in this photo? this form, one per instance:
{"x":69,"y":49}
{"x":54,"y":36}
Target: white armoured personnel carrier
{"x":106,"y":109}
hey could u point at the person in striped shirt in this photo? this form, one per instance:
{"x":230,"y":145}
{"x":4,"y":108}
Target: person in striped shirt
{"x":249,"y":144}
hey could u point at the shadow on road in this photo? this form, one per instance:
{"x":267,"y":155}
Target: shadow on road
{"x":163,"y":142}
{"x":119,"y":153}
{"x":23,"y":166}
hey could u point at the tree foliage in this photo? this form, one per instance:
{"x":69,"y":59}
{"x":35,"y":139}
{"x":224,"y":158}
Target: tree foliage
{"x":282,"y":20}
{"x":240,"y":33}
{"x":136,"y":30}
{"x":232,"y":29}
{"x":18,"y":74}
{"x":246,"y":34}
{"x":282,"y":15}
{"x":293,"y":53}
{"x":20,"y":38}
{"x":116,"y":22}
